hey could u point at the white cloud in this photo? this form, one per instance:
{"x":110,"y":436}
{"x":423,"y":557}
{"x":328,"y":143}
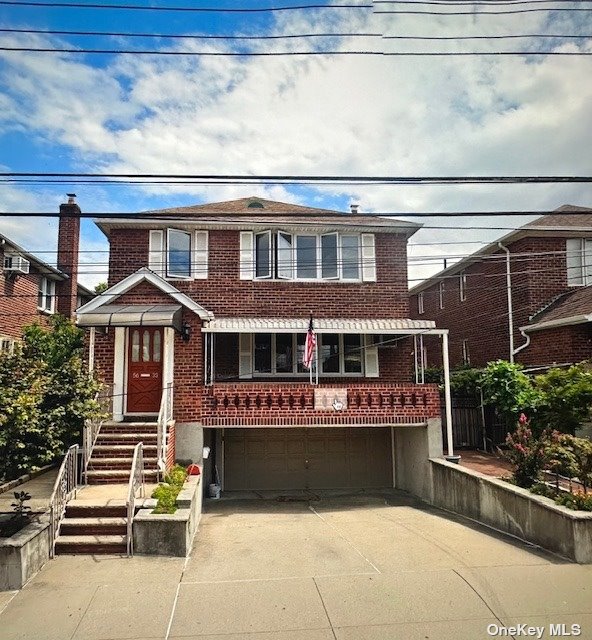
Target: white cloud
{"x":334,"y":115}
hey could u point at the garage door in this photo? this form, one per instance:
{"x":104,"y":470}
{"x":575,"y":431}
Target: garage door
{"x":307,"y":458}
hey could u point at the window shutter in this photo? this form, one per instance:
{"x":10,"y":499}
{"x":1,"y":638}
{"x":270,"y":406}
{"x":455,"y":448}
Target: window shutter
{"x":370,"y":358}
{"x":245,"y":355}
{"x":200,"y":255}
{"x":247,"y":265}
{"x":368,"y":258}
{"x":156,"y":257}
{"x":575,"y":271}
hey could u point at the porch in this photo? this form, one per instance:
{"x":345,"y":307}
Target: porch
{"x":284,"y":404}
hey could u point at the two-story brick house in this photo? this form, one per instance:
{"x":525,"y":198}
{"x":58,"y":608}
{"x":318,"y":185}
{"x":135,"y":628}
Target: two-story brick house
{"x":31,"y":290}
{"x":535,"y":280}
{"x":207,"y":309}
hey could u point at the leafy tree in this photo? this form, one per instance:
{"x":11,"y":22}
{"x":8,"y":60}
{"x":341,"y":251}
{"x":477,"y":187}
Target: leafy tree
{"x":509,"y":390}
{"x":46,"y":394}
{"x":566,"y":397}
{"x":101,"y":288}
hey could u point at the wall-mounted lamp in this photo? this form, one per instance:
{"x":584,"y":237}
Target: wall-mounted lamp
{"x":186,"y":332}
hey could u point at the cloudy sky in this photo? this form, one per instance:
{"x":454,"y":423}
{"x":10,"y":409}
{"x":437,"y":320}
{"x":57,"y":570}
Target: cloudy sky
{"x":316,"y":115}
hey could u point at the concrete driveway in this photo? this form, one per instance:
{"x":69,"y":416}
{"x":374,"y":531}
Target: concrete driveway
{"x":362,"y":567}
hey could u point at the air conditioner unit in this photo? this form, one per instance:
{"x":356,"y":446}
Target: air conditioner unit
{"x":16,"y":264}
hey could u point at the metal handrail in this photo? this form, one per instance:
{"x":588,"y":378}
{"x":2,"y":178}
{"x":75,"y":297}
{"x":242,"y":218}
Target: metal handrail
{"x":164,"y":417}
{"x":64,"y":487}
{"x":91,"y":428}
{"x":136,"y":482}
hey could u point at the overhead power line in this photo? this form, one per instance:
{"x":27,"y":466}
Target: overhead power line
{"x":136,"y":7}
{"x":291,"y":36}
{"x":483,"y":13}
{"x":309,"y":178}
{"x":272,"y":54}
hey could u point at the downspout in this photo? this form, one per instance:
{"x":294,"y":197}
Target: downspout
{"x":509,"y":291}
{"x":523,"y":346}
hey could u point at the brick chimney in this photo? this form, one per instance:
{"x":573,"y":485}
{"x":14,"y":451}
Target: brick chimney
{"x":68,"y":244}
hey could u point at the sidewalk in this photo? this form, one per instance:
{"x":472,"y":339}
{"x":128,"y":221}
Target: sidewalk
{"x":40,"y":489}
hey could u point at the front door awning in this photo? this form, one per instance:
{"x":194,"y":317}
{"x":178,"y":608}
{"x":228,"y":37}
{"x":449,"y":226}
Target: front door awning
{"x":133,"y":315}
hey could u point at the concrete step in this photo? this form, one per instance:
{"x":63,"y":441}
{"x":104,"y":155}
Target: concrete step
{"x":101,"y":526}
{"x":93,"y":544}
{"x":116,"y":476}
{"x":118,"y":463}
{"x":128,"y":427}
{"x":125,"y":438}
{"x":109,"y":508}
{"x":121,"y":450}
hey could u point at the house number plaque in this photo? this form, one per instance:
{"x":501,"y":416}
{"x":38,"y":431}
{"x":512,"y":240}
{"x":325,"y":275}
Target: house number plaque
{"x":330,"y":399}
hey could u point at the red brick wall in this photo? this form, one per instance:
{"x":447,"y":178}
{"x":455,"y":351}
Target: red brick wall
{"x":482,"y":318}
{"x":170,"y":454}
{"x":225,"y":294}
{"x":18,"y":300}
{"x":253,"y":404}
{"x":68,"y":245}
{"x":559,"y":346}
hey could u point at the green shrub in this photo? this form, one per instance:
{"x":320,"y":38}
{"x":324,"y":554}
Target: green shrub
{"x":177,"y":475}
{"x":578,"y":501}
{"x":527,"y":453}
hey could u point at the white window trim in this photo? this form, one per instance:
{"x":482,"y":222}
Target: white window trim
{"x":420,"y":303}
{"x":462,"y":286}
{"x":305,"y":374}
{"x":364,"y":265}
{"x":583,"y":270}
{"x":7,"y":344}
{"x":441,"y":295}
{"x":158,"y":254}
{"x":47,"y":288}
{"x":176,"y":276}
{"x":466,"y":354}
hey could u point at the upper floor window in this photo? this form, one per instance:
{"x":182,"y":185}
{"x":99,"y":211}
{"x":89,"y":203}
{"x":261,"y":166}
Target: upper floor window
{"x":579,"y":261}
{"x":441,"y":295}
{"x":179,"y":254}
{"x":287,"y":256}
{"x":46,"y":295}
{"x":462,"y":285}
{"x":420,"y":307}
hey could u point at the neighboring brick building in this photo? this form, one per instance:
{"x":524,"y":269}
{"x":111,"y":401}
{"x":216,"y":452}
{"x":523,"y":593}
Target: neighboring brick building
{"x":31,"y":290}
{"x":549,"y":263}
{"x":213,"y":302}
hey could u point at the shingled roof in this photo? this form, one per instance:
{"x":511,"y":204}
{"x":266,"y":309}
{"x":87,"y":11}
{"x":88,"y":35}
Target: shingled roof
{"x":572,"y":307}
{"x":562,"y":218}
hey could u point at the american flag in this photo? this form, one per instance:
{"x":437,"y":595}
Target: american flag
{"x":310,"y":346}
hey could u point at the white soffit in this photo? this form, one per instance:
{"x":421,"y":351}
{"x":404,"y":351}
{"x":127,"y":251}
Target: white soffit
{"x":320,"y":325}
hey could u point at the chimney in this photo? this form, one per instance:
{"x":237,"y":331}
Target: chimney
{"x":68,"y":244}
{"x":354,"y":208}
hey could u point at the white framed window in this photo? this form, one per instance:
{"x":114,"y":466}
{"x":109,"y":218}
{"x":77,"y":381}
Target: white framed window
{"x":281,"y":354}
{"x":466,"y":355}
{"x":579,"y":261}
{"x":420,"y":307}
{"x":441,"y":295}
{"x":286,"y":256}
{"x":462,"y":286}
{"x":46,"y":295}
{"x":178,"y":254}
{"x":7,"y":344}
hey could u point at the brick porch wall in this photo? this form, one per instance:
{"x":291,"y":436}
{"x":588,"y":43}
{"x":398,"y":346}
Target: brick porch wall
{"x":282,"y":404}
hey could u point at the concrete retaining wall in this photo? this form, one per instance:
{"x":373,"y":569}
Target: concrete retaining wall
{"x":23,"y":554}
{"x":165,"y":534}
{"x":512,"y":509}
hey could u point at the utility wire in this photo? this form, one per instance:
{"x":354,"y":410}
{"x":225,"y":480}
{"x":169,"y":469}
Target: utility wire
{"x":272,"y":54}
{"x":135,"y":7}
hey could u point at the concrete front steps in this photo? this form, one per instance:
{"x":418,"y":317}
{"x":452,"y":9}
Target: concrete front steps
{"x":89,"y":528}
{"x":111,"y":459}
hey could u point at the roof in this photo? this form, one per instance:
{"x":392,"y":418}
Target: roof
{"x":41,"y":265}
{"x":572,"y":307}
{"x":141,"y":275}
{"x":133,"y":315}
{"x":252,"y":212}
{"x":559,"y":223}
{"x":321,"y":325}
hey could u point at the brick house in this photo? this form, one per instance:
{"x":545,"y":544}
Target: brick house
{"x":534,"y":280}
{"x":31,"y":289}
{"x":205,"y":319}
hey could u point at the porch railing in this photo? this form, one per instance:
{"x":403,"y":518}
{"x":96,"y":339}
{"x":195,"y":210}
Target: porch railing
{"x":164,"y":418}
{"x":63,"y":489}
{"x":285,"y":404}
{"x":91,"y":428}
{"x":136,"y":483}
